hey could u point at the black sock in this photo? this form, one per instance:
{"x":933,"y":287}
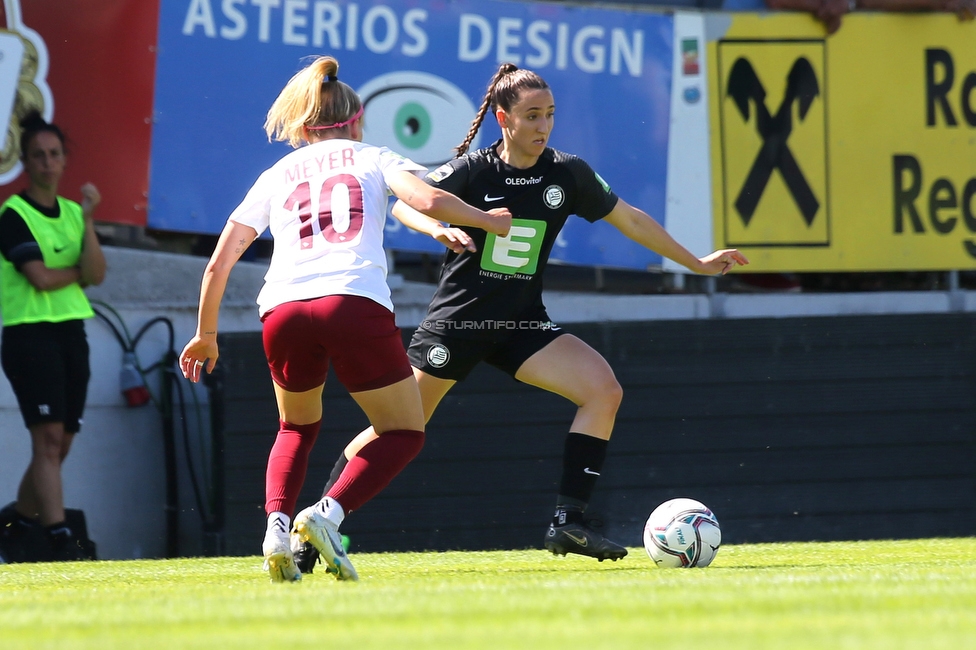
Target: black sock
{"x":340,"y":465}
{"x":583,"y":458}
{"x":567,"y":514}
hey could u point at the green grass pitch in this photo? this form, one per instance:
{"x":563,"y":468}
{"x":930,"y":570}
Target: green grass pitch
{"x":829,"y":596}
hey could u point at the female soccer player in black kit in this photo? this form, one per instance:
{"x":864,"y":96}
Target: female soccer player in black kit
{"x":502,"y":282}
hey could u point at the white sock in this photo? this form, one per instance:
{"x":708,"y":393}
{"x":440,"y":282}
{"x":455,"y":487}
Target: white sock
{"x":279,"y":516}
{"x":332,"y":511}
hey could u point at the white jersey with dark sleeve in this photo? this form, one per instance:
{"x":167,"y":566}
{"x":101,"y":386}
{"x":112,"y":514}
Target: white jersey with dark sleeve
{"x":325,"y":205}
{"x":502,"y":281}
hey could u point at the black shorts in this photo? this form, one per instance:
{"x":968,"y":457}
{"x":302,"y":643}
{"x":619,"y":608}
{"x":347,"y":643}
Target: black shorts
{"x":452,"y":357}
{"x":47,"y":366}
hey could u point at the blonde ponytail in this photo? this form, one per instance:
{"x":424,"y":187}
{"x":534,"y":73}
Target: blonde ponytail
{"x":313,"y":97}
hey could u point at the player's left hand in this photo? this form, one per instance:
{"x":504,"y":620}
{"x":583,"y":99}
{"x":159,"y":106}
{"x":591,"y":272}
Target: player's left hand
{"x":198,"y":355}
{"x":501,"y":221}
{"x":455,"y":239}
{"x":90,"y":198}
{"x":722,"y":261}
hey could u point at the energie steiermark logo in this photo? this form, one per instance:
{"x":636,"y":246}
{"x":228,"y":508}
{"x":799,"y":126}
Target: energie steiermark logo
{"x":518,"y":251}
{"x":773,"y":131}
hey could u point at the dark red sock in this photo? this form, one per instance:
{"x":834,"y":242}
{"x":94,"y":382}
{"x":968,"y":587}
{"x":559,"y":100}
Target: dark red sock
{"x":374,"y":467}
{"x":287,"y":465}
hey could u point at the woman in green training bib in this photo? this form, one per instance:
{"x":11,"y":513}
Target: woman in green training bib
{"x":48,"y":252}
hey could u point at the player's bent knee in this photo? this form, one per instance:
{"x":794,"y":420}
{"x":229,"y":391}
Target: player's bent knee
{"x":609,"y":393}
{"x":409,"y":441}
{"x":418,"y":438}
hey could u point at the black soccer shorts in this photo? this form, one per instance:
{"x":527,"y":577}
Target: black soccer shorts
{"x":453,"y":357}
{"x":47,"y":366}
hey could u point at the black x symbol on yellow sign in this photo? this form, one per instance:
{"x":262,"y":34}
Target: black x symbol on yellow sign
{"x":745,"y":88}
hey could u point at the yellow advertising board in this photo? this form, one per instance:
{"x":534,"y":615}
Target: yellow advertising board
{"x":854,"y":152}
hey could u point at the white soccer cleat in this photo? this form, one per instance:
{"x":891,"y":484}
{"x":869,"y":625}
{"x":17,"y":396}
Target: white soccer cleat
{"x":279,"y":561}
{"x":312,"y":526}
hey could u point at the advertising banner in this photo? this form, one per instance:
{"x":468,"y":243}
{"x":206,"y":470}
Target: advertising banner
{"x":855,"y":152}
{"x":87,"y":66}
{"x":421,"y":68}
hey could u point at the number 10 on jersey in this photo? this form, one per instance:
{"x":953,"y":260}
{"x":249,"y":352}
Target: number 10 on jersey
{"x":340,"y":213}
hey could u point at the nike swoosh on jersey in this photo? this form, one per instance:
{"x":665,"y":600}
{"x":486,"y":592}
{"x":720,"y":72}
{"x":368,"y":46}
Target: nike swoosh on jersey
{"x":489,"y":199}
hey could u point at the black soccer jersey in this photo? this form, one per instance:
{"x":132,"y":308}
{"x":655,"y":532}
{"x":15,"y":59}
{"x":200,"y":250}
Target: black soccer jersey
{"x":502,"y":281}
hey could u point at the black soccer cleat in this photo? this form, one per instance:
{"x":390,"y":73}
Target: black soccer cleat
{"x":23,"y":542}
{"x":306,"y":557}
{"x":577,"y":538}
{"x":65,"y":547}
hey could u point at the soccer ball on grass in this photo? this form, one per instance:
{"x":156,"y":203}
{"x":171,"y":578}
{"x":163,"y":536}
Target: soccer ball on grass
{"x":682,"y":533}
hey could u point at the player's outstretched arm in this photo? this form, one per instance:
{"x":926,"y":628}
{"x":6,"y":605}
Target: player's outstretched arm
{"x":202,"y":348}
{"x":444,"y":206}
{"x":638,"y":226}
{"x":454,"y":238}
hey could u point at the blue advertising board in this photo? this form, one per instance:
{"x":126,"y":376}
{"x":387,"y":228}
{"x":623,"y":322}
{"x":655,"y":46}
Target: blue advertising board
{"x":421,"y":67}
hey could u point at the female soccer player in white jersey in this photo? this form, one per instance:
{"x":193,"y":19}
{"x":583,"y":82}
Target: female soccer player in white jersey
{"x":325,"y":300}
{"x":502,"y":283}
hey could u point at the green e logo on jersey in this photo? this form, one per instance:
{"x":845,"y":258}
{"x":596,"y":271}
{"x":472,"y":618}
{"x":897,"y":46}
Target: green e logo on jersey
{"x":518,"y":252}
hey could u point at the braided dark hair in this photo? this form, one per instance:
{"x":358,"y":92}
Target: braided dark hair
{"x":504,"y":90}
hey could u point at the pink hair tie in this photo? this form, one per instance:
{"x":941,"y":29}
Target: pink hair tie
{"x":337,"y":125}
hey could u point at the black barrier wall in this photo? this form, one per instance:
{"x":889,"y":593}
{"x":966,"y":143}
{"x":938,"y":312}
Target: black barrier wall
{"x":837,"y":428}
